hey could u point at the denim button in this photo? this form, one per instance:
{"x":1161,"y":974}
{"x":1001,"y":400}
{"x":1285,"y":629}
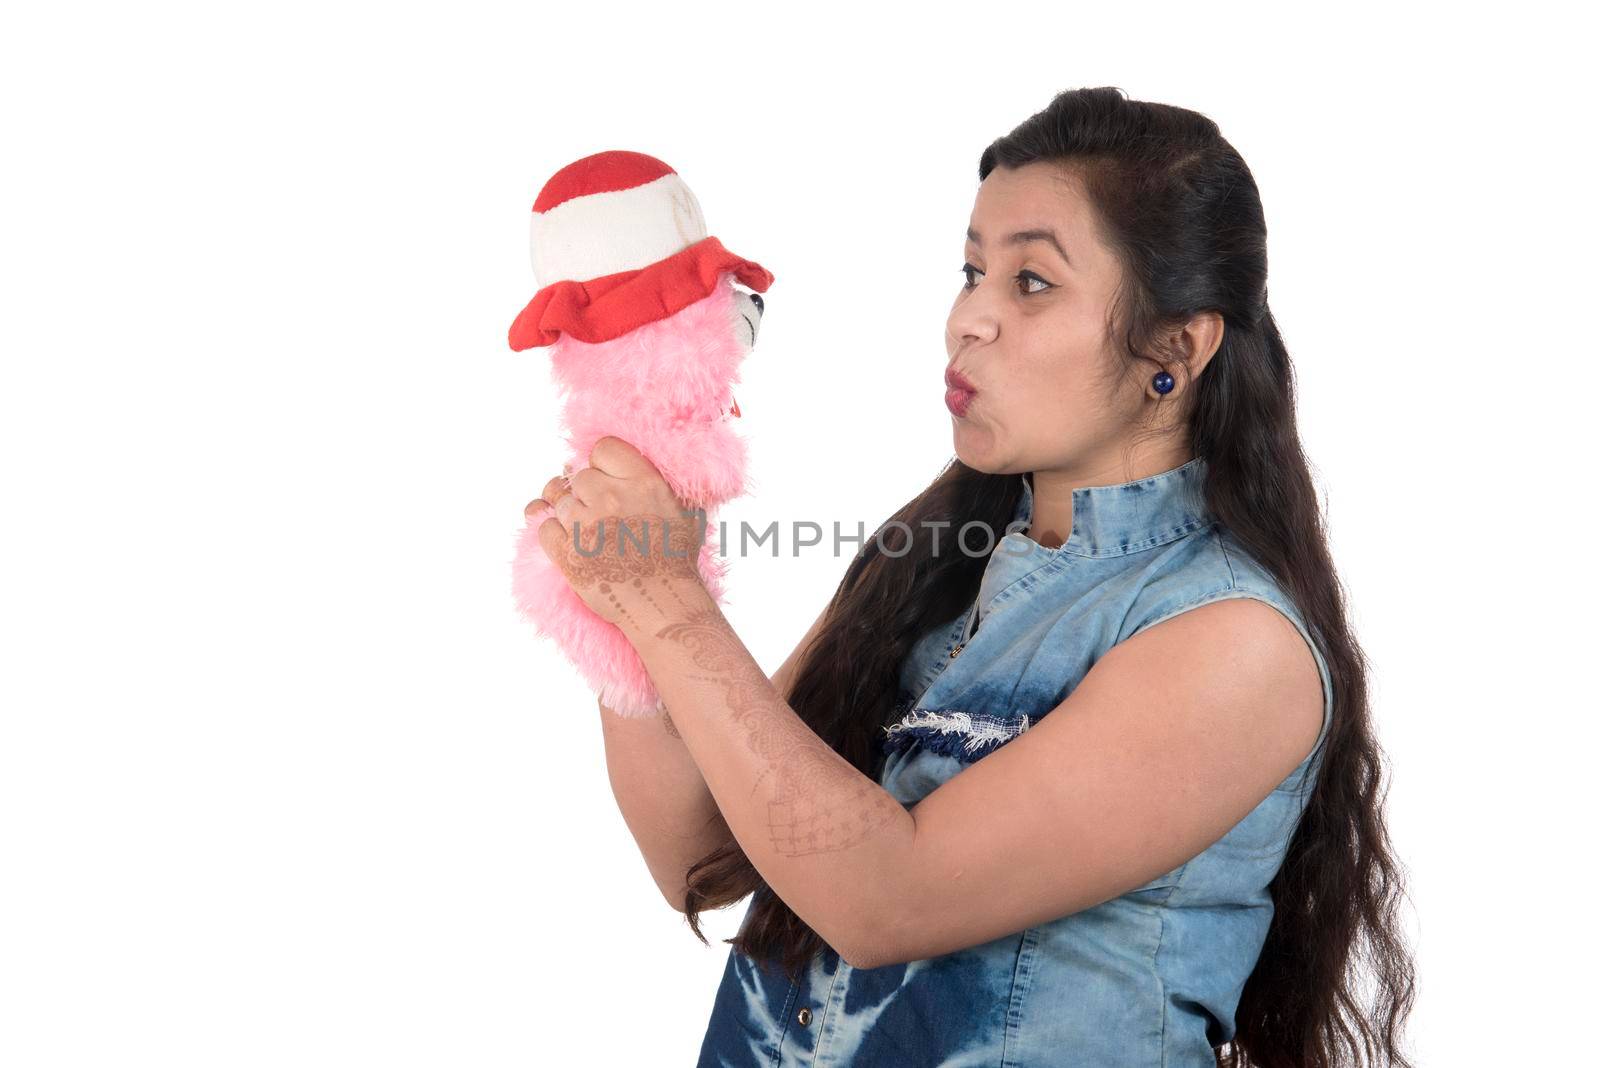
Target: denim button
{"x":804,"y":1016}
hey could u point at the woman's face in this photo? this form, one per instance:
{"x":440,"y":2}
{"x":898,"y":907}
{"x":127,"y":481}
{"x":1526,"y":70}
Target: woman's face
{"x":1029,"y":332}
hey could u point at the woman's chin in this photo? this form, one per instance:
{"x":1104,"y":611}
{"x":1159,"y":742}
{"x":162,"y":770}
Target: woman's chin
{"x":973,"y":445}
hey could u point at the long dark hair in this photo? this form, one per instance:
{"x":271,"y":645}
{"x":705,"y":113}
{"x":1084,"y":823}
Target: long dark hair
{"x":1179,"y":208}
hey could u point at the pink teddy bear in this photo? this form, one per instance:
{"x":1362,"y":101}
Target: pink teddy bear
{"x":646,"y":331}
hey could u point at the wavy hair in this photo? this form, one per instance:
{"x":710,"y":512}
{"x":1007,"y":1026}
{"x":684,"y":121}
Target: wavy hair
{"x":1180,"y":210}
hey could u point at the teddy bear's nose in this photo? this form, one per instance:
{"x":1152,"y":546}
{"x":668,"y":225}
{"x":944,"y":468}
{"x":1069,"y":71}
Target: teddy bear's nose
{"x":761,"y":305}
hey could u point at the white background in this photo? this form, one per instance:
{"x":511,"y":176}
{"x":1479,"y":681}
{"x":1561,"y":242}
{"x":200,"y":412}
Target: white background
{"x":283,"y":778}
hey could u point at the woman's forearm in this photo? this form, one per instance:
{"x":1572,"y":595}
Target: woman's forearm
{"x":663,"y":798}
{"x":826,"y":838}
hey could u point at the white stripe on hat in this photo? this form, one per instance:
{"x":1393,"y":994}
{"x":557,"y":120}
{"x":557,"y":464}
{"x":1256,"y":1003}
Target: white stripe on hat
{"x":604,"y":233}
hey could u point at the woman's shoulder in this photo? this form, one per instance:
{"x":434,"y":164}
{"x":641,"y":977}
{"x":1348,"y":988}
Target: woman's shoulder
{"x":1220,"y":569}
{"x":1214,"y":566}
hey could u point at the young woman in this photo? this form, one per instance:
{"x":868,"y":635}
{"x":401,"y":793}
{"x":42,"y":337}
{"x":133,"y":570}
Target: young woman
{"x":1076,"y":766}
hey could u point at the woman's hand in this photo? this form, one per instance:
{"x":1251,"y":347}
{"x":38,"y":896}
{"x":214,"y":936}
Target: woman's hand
{"x":626,"y":544}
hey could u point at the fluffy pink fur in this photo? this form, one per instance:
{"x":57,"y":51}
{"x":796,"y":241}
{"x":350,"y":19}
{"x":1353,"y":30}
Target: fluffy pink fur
{"x":664,"y":388}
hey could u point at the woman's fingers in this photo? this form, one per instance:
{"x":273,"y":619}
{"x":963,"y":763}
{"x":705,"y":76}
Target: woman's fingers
{"x":552,"y":493}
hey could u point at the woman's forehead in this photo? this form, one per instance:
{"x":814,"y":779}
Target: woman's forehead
{"x":1028,"y":199}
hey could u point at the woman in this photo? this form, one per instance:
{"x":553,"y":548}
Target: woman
{"x":1076,"y":766}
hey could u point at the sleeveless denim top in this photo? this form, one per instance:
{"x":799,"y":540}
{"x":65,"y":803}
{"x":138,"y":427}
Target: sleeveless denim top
{"x":1151,"y":977}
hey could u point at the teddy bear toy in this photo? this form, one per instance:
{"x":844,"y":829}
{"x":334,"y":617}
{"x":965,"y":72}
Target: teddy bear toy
{"x":646,"y":330}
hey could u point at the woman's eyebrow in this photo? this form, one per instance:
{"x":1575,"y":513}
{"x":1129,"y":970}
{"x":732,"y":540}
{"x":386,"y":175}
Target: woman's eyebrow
{"x":1023,"y":237}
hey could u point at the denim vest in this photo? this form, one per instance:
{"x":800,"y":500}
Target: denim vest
{"x":1151,"y":977}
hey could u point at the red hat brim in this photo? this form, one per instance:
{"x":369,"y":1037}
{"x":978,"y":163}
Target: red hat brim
{"x":600,"y":309}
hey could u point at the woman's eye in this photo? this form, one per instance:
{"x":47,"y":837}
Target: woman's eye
{"x":1028,"y":276}
{"x":968,"y":270}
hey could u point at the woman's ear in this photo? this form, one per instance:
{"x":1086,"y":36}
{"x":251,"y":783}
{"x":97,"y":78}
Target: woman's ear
{"x":1198,"y":341}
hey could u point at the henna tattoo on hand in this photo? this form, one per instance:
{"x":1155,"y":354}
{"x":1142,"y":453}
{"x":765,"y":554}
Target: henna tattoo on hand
{"x":644,"y":555}
{"x":821,"y":803}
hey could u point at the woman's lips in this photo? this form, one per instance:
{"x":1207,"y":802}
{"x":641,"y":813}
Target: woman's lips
{"x":958,"y":392}
{"x":957,"y":400}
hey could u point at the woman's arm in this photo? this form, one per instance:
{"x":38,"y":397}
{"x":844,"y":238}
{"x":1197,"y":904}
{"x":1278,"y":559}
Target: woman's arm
{"x":821,"y":833}
{"x":659,"y":789}
{"x":1135,"y":772}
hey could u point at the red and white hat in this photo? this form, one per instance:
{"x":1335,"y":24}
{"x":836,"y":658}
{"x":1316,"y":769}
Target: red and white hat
{"x":618,"y":241}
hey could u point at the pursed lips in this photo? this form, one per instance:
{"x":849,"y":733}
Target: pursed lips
{"x":954,"y":379}
{"x":959,"y":392}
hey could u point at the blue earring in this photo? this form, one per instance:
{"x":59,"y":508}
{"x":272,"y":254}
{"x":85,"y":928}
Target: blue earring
{"x":1162,"y":382}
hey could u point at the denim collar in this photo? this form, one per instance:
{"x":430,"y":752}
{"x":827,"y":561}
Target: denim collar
{"x":1125,"y":517}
